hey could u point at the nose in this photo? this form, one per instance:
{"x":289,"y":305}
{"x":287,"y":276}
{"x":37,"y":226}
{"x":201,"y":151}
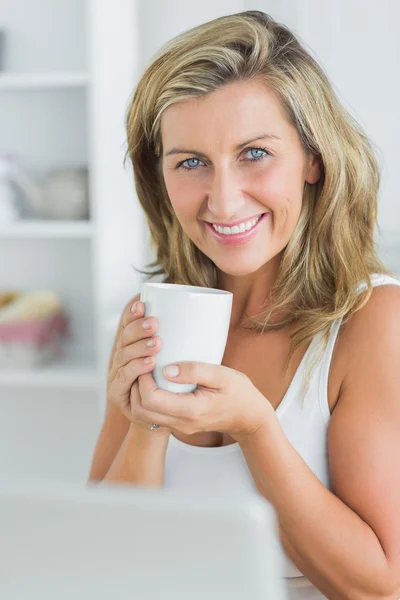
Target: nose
{"x":225,"y":200}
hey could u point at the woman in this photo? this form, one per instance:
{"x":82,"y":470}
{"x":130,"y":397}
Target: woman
{"x":255,"y":179}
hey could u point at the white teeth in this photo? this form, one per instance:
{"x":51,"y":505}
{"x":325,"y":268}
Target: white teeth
{"x":237,"y":228}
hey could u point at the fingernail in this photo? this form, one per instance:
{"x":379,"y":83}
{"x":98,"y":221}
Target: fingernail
{"x":134,"y":307}
{"x":171,"y":371}
{"x":150,"y":343}
{"x":146,"y":325}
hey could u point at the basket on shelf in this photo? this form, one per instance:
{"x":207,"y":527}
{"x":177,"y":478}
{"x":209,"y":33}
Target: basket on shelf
{"x":33,"y":327}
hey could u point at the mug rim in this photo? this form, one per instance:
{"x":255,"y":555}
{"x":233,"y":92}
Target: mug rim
{"x":193,"y":289}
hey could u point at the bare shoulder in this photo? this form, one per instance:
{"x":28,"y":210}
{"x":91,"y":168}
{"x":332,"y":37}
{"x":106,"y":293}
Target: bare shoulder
{"x":371,"y":332}
{"x":364,"y":327}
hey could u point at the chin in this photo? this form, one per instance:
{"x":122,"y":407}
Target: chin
{"x":239,"y":270}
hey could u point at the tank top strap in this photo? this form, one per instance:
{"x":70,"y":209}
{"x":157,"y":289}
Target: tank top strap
{"x":378,"y":279}
{"x":325,"y":368}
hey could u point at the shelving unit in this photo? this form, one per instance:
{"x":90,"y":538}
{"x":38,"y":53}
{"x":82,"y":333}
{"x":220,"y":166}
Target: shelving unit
{"x":10,"y":82}
{"x":38,"y":229}
{"x":67,"y":80}
{"x":40,"y":239}
{"x":65,"y":376}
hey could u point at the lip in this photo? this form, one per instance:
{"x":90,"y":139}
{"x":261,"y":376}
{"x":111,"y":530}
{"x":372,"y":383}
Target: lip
{"x":237,"y":239}
{"x":235,"y":222}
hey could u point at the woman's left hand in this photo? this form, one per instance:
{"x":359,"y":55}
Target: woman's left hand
{"x":225,"y":400}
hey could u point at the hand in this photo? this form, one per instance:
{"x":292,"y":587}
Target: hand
{"x":225,"y":400}
{"x":128,"y":362}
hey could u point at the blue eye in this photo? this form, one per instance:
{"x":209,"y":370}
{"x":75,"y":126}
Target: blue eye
{"x":191,"y":167}
{"x":264,"y":151}
{"x":256,"y":150}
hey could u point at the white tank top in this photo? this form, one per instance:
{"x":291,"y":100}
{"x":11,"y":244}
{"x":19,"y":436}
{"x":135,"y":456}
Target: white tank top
{"x":209,"y":471}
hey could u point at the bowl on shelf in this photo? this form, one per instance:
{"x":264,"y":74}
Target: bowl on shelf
{"x":66,"y":194}
{"x":62,"y":194}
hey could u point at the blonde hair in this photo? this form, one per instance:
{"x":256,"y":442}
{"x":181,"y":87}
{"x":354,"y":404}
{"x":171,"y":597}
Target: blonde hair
{"x":332,"y":248}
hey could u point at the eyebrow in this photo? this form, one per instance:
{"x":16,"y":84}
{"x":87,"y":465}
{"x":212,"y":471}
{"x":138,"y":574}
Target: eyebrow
{"x":261,"y":136}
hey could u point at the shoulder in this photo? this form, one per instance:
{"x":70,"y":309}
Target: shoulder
{"x":375,"y":327}
{"x":382,"y":306}
{"x":371,"y":328}
{"x":368,"y":345}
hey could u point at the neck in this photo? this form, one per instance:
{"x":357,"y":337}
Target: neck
{"x":250,"y":291}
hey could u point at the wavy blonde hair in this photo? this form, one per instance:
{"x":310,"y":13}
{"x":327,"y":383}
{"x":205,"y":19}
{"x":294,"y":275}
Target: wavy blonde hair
{"x":332,"y":248}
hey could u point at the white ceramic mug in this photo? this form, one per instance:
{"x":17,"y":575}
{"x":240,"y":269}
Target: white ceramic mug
{"x":193,"y":324}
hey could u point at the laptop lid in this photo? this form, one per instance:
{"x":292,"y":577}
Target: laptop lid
{"x":71,"y":541}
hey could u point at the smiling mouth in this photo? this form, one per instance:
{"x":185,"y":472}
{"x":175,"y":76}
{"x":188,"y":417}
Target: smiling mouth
{"x":235,"y":229}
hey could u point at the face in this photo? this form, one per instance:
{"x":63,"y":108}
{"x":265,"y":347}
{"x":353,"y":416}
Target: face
{"x":232,"y":159}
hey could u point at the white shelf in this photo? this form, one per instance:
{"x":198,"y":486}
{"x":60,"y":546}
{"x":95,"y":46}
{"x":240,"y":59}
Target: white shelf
{"x":66,"y":376}
{"x":47,"y":229}
{"x":38,"y":81}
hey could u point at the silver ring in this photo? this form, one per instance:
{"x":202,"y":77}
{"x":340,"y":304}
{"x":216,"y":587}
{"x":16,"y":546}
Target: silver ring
{"x":154,"y":426}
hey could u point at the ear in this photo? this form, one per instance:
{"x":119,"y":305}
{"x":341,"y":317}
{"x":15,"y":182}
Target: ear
{"x":314,"y":169}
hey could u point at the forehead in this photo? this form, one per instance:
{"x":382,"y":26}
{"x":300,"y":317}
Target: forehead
{"x":232,"y":110}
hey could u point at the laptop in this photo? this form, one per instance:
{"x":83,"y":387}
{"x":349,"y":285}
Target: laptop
{"x":70,"y":541}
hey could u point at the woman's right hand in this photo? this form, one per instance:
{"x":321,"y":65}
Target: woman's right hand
{"x":132,"y":350}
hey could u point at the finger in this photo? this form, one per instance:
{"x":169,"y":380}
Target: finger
{"x":131,"y":334}
{"x":138,"y":330}
{"x":177,"y":406}
{"x":126,"y":402}
{"x":209,"y":375}
{"x":147,"y":415}
{"x":125,"y":376}
{"x":140,"y":349}
{"x":135,"y":310}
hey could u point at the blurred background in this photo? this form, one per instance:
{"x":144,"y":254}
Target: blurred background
{"x":71,"y":228}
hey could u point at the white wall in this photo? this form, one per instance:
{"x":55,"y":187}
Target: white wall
{"x":160,"y":21}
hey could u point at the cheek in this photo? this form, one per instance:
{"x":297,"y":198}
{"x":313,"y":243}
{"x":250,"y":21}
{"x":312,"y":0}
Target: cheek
{"x":279,"y":186}
{"x":181,"y":193}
